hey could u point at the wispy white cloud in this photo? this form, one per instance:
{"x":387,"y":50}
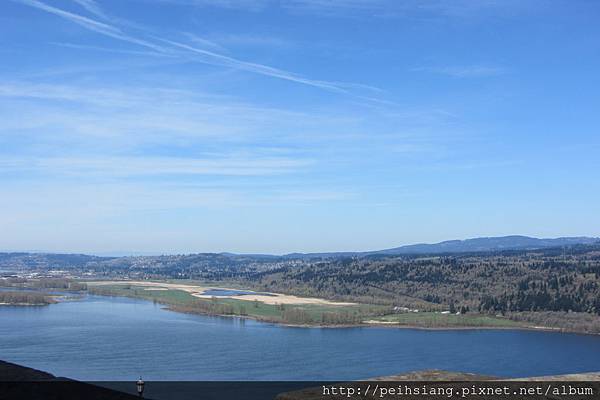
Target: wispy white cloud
{"x":92,"y":7}
{"x":213,"y":58}
{"x":93,"y":25}
{"x":394,"y":8}
{"x":203,"y":42}
{"x":93,"y":167}
{"x":187,"y":51}
{"x":113,"y":50}
{"x":370,"y":8}
{"x":142,"y":115}
{"x":259,"y":5}
{"x":309,"y":196}
{"x":248,"y":39}
{"x":82,"y":94}
{"x":327,"y":6}
{"x":249,"y":5}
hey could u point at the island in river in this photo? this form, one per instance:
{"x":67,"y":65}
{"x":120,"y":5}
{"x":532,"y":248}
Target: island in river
{"x":289,"y":309}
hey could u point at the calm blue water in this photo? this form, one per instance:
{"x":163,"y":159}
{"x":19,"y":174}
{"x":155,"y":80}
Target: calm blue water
{"x":102,"y":338}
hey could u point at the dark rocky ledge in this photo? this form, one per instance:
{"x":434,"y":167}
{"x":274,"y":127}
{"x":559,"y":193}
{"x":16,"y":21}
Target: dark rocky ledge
{"x":19,"y":383}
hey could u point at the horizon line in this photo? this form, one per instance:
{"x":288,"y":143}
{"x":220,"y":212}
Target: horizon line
{"x":118,"y":254}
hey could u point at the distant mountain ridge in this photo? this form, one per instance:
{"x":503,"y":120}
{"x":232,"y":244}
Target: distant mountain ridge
{"x":482,"y":244}
{"x":474,"y":245}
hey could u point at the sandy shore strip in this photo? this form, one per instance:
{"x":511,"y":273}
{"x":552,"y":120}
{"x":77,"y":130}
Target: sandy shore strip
{"x":197,"y":291}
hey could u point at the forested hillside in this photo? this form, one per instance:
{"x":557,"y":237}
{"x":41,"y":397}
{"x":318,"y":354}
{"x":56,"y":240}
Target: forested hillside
{"x":560,"y":279}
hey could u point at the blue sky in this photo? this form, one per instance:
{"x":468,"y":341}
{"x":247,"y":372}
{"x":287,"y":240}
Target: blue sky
{"x":295,"y":125}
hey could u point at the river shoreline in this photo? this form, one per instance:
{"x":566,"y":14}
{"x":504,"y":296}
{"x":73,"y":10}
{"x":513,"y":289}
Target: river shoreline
{"x":377,"y":325}
{"x":366,"y":324}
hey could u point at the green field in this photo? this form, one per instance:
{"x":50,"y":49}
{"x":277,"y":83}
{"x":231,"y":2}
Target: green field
{"x":438,"y":320}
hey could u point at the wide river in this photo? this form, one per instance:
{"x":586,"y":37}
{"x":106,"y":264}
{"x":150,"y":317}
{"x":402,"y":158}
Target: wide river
{"x":103,"y":338}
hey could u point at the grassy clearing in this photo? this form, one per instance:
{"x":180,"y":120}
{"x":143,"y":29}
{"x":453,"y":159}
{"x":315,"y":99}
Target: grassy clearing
{"x":437,"y":320}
